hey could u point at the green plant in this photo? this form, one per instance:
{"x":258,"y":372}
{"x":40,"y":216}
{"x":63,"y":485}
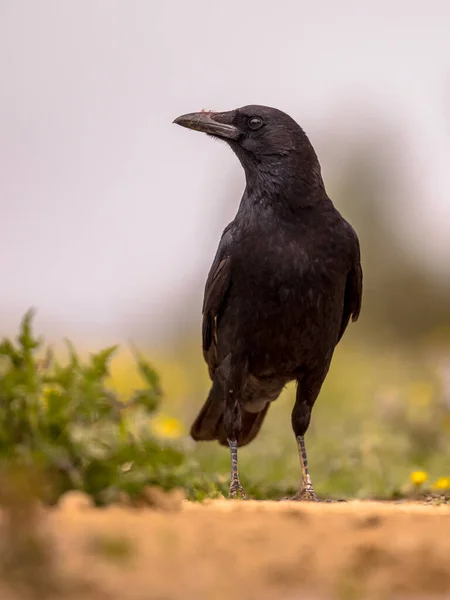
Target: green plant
{"x":64,"y":422}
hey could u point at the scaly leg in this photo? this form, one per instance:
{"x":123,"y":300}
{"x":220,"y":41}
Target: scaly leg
{"x":236,"y":489}
{"x":233,"y":385}
{"x":307,"y":391}
{"x":306,"y":491}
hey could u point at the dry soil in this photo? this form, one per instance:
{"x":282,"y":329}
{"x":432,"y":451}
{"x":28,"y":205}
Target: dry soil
{"x":237,"y":550}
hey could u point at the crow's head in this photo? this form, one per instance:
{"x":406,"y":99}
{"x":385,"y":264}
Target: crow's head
{"x":267,"y":141}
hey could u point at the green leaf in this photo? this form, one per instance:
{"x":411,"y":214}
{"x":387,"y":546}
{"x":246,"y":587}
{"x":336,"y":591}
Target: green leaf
{"x":100,"y":360}
{"x":149,"y":374}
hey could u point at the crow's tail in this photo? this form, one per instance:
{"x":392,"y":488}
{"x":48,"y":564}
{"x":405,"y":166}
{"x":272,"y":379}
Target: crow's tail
{"x":209,"y":426}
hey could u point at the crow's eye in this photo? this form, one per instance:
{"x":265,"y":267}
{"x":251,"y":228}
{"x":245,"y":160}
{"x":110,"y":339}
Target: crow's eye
{"x":255,"y":123}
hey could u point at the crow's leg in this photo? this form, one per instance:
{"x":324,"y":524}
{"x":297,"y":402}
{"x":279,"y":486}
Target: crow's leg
{"x":307,"y":393}
{"x":306,"y":491}
{"x":236,"y":489}
{"x":233,"y":386}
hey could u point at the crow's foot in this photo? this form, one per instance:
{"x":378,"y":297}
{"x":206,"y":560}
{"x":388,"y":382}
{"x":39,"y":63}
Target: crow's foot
{"x":305,"y":495}
{"x":237,"y":492}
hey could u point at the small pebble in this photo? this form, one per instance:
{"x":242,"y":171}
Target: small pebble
{"x":75,"y":500}
{"x":158,"y":498}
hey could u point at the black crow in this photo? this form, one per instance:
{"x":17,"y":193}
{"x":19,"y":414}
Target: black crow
{"x":285,"y":281}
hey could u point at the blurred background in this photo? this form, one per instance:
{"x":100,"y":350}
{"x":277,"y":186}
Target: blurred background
{"x":111,"y":215}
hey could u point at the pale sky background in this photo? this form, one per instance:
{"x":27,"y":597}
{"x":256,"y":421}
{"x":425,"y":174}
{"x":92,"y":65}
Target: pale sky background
{"x":108,"y":210}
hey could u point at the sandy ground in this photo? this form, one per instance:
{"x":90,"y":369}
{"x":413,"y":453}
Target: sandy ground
{"x":232,"y":549}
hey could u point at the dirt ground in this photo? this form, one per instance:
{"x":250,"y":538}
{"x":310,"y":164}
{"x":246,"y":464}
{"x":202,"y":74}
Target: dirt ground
{"x":234,"y":549}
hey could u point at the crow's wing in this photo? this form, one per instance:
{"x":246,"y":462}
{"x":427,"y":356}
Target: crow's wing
{"x":216,"y":289}
{"x":353,"y":286}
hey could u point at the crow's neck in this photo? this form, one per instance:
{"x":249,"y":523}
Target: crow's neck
{"x":286,"y":186}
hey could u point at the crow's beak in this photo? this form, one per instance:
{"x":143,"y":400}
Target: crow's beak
{"x":211,"y":123}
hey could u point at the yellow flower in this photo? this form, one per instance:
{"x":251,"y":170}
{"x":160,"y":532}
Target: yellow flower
{"x":167,"y":427}
{"x":418,"y":477}
{"x":443,"y":483}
